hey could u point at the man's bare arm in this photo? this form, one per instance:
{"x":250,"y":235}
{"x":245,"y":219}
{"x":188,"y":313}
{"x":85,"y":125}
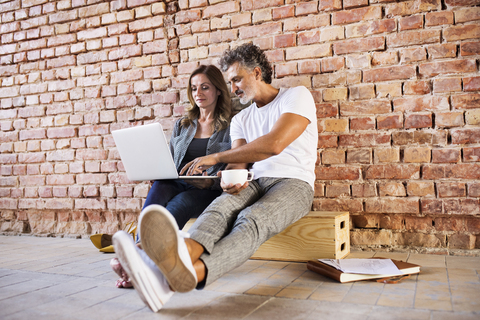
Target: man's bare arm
{"x":288,"y":127}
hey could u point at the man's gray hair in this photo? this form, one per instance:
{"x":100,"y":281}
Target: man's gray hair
{"x":249,"y":56}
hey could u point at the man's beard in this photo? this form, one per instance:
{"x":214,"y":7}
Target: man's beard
{"x":248,"y":95}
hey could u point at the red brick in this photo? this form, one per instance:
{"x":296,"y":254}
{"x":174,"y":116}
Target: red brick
{"x":285,"y":40}
{"x":148,"y":23}
{"x":364,"y":123}
{"x":390,"y":122}
{"x":359,"y":156}
{"x":416,"y":155}
{"x":449,"y":224}
{"x":470,"y":48}
{"x":308,"y":52}
{"x":451,"y":171}
{"x":412,"y":7}
{"x":464,"y":136}
{"x":364,"y":190}
{"x":471,"y":154}
{"x":54,"y":133}
{"x":447,"y":85}
{"x":433,"y":69}
{"x":466,"y":101}
{"x":221,"y":9}
{"x":309,"y":66}
{"x":389,"y":73}
{"x":449,"y":119}
{"x":283,"y":12}
{"x":392,"y":206}
{"x":471,"y":84}
{"x":333,"y":156}
{"x":306,"y":8}
{"x":451,"y":189}
{"x":461,"y":241}
{"x":419,"y":223}
{"x":308,"y":37}
{"x":329,"y":5}
{"x":359,"y":45}
{"x":367,"y":28}
{"x":438,"y":18}
{"x":421,"y":103}
{"x":326,"y":110}
{"x":431,"y":206}
{"x":285,"y":69}
{"x":393,"y":171}
{"x":337,"y":190}
{"x":337,"y":173}
{"x":327,"y":141}
{"x":411,"y":22}
{"x":420,"y":189}
{"x":473,"y":189}
{"x":410,"y":38}
{"x":462,"y":32}
{"x":61,"y":179}
{"x":350,"y":205}
{"x":444,"y":50}
{"x":417,"y":87}
{"x":384,"y":58}
{"x":365,"y":107}
{"x":355,"y":15}
{"x":412,"y":55}
{"x":188,"y":16}
{"x":265,"y":29}
{"x":364,"y":139}
{"x":418,"y":121}
{"x":306,"y":23}
{"x":332,"y":64}
{"x":446,"y":155}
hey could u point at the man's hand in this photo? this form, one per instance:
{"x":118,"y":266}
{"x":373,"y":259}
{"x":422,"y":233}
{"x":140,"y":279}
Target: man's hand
{"x":233,"y":189}
{"x":198,"y":165}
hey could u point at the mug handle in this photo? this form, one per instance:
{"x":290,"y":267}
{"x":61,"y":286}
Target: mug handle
{"x":250,"y":176}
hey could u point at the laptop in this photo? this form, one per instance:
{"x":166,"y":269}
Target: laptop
{"x":145,"y":154}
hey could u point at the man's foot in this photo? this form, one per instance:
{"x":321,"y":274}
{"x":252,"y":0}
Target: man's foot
{"x":151,"y":285}
{"x":163,"y":243}
{"x":123,"y":282}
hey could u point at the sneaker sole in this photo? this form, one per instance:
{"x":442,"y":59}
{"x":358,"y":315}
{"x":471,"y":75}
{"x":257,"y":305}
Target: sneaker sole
{"x":160,"y":241}
{"x":130,"y":261}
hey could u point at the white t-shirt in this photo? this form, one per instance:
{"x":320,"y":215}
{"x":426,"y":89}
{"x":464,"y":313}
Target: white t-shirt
{"x":298,"y":159}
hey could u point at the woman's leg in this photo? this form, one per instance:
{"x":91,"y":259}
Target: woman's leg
{"x":190,"y":204}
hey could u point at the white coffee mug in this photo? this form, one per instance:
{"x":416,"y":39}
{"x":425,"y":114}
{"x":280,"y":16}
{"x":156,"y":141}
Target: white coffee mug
{"x":236,"y":176}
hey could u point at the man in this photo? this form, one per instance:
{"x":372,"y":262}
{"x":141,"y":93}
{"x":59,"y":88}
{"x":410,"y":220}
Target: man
{"x":277,"y":135}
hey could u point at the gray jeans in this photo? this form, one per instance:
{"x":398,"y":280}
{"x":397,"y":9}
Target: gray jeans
{"x":233,"y":226}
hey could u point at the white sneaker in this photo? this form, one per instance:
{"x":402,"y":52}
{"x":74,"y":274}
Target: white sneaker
{"x":149,"y":282}
{"x":163,"y":243}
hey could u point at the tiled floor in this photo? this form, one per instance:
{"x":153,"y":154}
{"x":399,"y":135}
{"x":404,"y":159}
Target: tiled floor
{"x":55,"y":278}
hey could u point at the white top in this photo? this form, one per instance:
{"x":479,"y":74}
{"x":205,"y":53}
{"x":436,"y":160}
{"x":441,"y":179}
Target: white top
{"x":298,"y":159}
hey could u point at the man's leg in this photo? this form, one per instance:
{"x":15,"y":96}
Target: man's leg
{"x":284,"y":202}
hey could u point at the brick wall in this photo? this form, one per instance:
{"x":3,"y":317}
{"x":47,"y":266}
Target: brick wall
{"x":396,"y":86}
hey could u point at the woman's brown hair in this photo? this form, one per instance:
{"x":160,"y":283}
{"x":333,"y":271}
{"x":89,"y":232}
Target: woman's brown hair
{"x":223,"y":109}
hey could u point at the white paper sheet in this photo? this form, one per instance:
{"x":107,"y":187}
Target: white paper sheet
{"x":364,"y":266}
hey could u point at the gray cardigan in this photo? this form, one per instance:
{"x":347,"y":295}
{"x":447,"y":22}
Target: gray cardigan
{"x":181,"y":138}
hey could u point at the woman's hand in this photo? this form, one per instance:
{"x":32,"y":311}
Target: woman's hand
{"x":200,"y":183}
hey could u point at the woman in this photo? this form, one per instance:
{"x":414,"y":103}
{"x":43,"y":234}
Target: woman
{"x":204,"y":130}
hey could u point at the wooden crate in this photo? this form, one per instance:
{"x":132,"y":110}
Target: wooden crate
{"x":318,"y":235}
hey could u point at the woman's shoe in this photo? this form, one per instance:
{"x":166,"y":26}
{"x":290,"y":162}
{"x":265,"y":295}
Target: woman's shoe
{"x":104,"y":242}
{"x":101,"y":240}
